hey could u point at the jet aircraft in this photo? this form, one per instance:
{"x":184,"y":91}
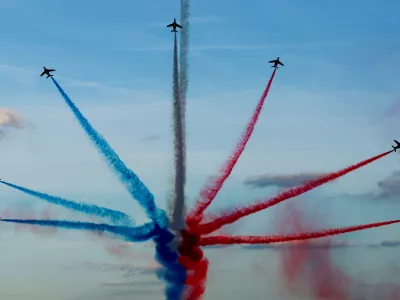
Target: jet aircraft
{"x":174,"y":25}
{"x":47,"y":72}
{"x":276,"y":62}
{"x":397,"y":146}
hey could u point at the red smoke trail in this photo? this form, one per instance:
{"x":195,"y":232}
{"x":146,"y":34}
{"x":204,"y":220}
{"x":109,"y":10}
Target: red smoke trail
{"x":292,"y":263}
{"x":304,"y":267}
{"x":310,"y":269}
{"x":196,"y":277}
{"x":28,"y":213}
{"x":211,"y":189}
{"x":229,"y":217}
{"x":232,"y":240}
{"x":196,"y":265}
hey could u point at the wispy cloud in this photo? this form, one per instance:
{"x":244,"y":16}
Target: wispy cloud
{"x":390,"y":244}
{"x":123,"y":91}
{"x":16,"y":69}
{"x":103,"y":86}
{"x":128,"y":269}
{"x":228,"y":47}
{"x":227,"y":95}
{"x":388,"y":189}
{"x":206,"y":19}
{"x":280,"y":180}
{"x":151,"y":138}
{"x":121,"y":283}
{"x":323,"y":244}
{"x":317,"y":244}
{"x":236,"y":47}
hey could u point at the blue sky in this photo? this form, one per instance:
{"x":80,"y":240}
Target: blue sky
{"x":325,"y":109}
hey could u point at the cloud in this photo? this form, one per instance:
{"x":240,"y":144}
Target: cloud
{"x":15,"y":69}
{"x":135,"y":271}
{"x":235,"y":47}
{"x":390,"y":243}
{"x":388,"y":190}
{"x":390,"y":187}
{"x":133,"y":293}
{"x":316,"y":244}
{"x":102,"y":86}
{"x":120,"y":283}
{"x":232,"y":47}
{"x":9,"y":119}
{"x":282,"y":181}
{"x":151,"y":138}
{"x":127,"y":269}
{"x":323,"y":244}
{"x":107,"y":87}
{"x":205,"y":19}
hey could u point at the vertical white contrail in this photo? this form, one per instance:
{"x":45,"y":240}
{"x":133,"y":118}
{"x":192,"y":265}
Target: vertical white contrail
{"x":184,"y":67}
{"x":177,"y":209}
{"x":178,"y":212}
{"x":178,"y":197}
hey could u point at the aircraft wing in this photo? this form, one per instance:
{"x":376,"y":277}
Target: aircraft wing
{"x":170,"y":25}
{"x":398,"y":144}
{"x":272,"y":61}
{"x":43,"y":73}
{"x":280,"y":63}
{"x":177,"y":25}
{"x":50,"y":70}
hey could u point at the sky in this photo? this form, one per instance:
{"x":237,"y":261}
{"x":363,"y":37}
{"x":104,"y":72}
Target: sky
{"x":329,"y":106}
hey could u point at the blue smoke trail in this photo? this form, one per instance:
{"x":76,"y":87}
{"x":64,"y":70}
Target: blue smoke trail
{"x":114,"y":216}
{"x":132,"y":234}
{"x":136,"y":188}
{"x":175,"y":274}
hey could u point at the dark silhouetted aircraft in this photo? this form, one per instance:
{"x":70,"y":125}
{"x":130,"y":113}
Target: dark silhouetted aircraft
{"x":276,"y":62}
{"x":397,"y":146}
{"x":174,"y":25}
{"x":47,"y":72}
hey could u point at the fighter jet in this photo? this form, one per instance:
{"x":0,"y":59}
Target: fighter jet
{"x":397,"y":146}
{"x":174,"y":25}
{"x":47,"y":72}
{"x":276,"y":62}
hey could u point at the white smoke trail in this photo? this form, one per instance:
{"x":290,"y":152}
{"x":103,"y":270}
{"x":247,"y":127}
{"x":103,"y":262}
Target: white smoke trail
{"x":178,"y":221}
{"x":183,"y":84}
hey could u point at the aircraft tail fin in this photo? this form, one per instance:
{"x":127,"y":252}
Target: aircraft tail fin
{"x":394,"y":148}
